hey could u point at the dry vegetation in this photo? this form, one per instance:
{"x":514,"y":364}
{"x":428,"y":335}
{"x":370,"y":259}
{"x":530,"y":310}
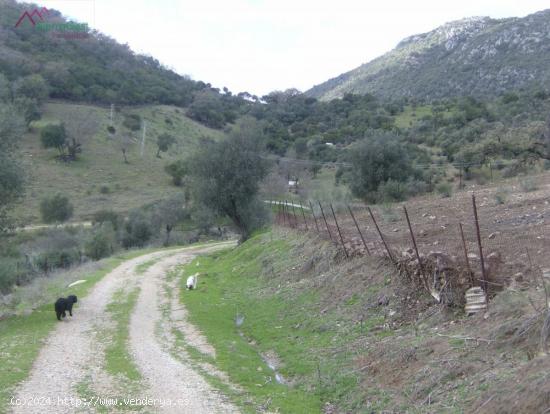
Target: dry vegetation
{"x":422,"y":356}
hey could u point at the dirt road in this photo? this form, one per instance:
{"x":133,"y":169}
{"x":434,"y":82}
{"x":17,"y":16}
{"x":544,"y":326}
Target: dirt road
{"x":71,"y":365}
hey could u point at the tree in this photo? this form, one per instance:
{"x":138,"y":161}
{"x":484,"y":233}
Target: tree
{"x":177,"y":170}
{"x":100,"y":243}
{"x":56,"y":209}
{"x":54,"y":136}
{"x":11,"y":173}
{"x":226,"y":175}
{"x":33,"y":87}
{"x":28,"y":107}
{"x":81,"y":124}
{"x":375,"y":160}
{"x":164,"y":142}
{"x":137,"y":230}
{"x":168,"y":213}
{"x":315,"y":168}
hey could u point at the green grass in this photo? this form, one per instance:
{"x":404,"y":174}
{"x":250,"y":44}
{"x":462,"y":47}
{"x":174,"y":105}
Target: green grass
{"x":278,"y":320}
{"x":130,"y":185}
{"x":117,"y":356}
{"x":21,"y":337}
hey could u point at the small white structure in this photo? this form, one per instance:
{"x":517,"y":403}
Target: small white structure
{"x":293,"y":186}
{"x":192,"y":281}
{"x":329,"y":144}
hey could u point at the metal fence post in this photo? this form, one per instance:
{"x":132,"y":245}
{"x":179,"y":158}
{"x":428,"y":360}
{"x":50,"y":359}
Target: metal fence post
{"x":484,"y":276}
{"x":325,"y":219}
{"x":381,"y":236}
{"x":359,"y":230}
{"x":466,"y":253}
{"x":294,"y":214}
{"x":314,"y":218}
{"x":339,"y":232}
{"x":304,"y":216}
{"x":414,"y":241}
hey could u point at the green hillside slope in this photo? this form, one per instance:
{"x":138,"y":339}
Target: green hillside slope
{"x":100,"y":179}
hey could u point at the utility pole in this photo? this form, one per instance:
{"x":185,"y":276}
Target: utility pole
{"x":144,"y":128}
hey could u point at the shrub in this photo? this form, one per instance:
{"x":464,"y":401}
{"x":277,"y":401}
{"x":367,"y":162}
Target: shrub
{"x":56,"y":248}
{"x":111,"y":129}
{"x":417,"y":187}
{"x":137,"y":231}
{"x":501,"y":195}
{"x":57,"y":208}
{"x":177,"y":170}
{"x":528,"y":184}
{"x":104,"y":189}
{"x":392,"y":191}
{"x":444,"y":189}
{"x":106,"y":216}
{"x":101,"y":242}
{"x":132,"y":122}
{"x":388,"y":213}
{"x":8,"y":274}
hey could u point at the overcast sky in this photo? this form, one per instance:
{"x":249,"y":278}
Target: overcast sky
{"x":263,"y":45}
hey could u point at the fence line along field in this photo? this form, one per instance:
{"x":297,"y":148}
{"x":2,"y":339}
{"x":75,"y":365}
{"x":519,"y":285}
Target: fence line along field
{"x":513,"y":233}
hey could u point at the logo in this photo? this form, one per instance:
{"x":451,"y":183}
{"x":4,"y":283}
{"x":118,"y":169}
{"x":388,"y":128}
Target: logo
{"x":36,"y":13}
{"x":65,"y":30}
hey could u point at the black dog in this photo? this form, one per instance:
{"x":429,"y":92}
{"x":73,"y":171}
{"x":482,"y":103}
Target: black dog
{"x":65,"y":304}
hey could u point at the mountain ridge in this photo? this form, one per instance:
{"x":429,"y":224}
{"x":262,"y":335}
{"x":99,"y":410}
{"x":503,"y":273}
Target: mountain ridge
{"x":478,"y":56}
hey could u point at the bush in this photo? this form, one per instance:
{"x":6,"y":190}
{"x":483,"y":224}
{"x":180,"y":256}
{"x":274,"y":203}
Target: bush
{"x":444,"y":189}
{"x":392,"y":191}
{"x":501,"y":195}
{"x":104,"y":189}
{"x":132,"y":122}
{"x":177,"y":170}
{"x":111,"y":129}
{"x":137,"y":231}
{"x":106,"y":216}
{"x":417,"y":187}
{"x":528,"y":184}
{"x":101,"y":243}
{"x":8,"y":274}
{"x":56,"y":248}
{"x":56,"y":209}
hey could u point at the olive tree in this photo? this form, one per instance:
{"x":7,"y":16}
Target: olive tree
{"x":226,"y":175}
{"x":377,"y":160}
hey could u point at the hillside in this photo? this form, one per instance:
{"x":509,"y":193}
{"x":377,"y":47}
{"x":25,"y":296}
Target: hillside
{"x":100,"y":179}
{"x":95,"y":68}
{"x":475,"y":56}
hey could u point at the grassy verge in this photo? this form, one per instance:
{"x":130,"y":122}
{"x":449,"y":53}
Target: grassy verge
{"x":281,"y":323}
{"x":117,"y":357}
{"x":21,"y":337}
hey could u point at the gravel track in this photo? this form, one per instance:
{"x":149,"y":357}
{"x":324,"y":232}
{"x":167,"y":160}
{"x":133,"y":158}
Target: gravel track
{"x":72,"y":355}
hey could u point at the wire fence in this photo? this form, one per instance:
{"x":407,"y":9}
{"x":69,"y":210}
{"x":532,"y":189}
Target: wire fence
{"x":479,"y":241}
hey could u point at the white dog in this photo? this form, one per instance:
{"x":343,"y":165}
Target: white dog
{"x":192,"y":281}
